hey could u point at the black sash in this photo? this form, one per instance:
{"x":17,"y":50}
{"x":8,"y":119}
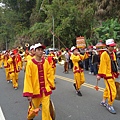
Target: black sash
{"x":113,"y":64}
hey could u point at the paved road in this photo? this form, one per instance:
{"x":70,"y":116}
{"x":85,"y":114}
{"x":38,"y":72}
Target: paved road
{"x":68,"y":105}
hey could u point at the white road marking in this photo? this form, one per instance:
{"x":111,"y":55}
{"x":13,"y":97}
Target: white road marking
{"x":1,"y":114}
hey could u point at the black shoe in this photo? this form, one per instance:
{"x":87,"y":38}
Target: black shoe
{"x":74,"y":86}
{"x":79,"y":93}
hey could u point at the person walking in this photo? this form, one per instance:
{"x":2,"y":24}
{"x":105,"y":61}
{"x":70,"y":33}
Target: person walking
{"x":38,"y":83}
{"x":7,"y":66}
{"x":95,"y":62}
{"x":109,"y":75}
{"x":13,"y":69}
{"x":78,"y":71}
{"x":66,"y":63}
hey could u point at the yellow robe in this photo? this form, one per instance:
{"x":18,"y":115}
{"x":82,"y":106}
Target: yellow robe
{"x":13,"y":71}
{"x":19,"y":62}
{"x":78,"y":72}
{"x":52,"y":64}
{"x":28,"y":58}
{"x":6,"y":66}
{"x":109,"y":79}
{"x":1,"y":60}
{"x":38,"y":84}
{"x":32,"y":83}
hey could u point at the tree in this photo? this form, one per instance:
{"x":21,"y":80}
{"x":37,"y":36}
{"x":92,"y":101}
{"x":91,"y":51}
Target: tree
{"x":109,"y":29}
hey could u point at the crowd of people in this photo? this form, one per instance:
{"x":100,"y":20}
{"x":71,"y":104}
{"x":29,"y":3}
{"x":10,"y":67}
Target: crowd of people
{"x":39,"y":68}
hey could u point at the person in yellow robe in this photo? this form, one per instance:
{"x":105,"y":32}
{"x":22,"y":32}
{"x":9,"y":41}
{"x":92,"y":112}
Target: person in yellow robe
{"x":19,"y":61}
{"x":14,"y":70}
{"x":38,"y":83}
{"x":78,"y":71}
{"x":109,"y":76}
{"x":6,"y":66}
{"x":52,"y":61}
{"x":29,"y":56}
{"x":1,"y":60}
{"x":24,"y":59}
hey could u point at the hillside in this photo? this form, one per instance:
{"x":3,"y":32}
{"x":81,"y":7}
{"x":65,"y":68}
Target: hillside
{"x":43,"y":21}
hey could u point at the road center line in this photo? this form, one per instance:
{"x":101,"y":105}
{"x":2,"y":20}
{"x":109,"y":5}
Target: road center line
{"x":85,"y":84}
{"x":1,"y":114}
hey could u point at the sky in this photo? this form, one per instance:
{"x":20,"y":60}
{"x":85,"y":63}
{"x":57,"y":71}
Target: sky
{"x":1,"y":4}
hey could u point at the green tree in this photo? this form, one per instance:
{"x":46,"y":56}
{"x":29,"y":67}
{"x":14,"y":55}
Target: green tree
{"x":109,"y":29}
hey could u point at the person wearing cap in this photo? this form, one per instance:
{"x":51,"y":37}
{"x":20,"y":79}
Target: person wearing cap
{"x":52,"y":61}
{"x":29,"y":56}
{"x":38,"y":83}
{"x":18,"y":58}
{"x":13,"y":69}
{"x":1,"y":60}
{"x":31,"y":53}
{"x":105,"y":71}
{"x":6,"y":66}
{"x":19,"y":61}
{"x":78,"y":71}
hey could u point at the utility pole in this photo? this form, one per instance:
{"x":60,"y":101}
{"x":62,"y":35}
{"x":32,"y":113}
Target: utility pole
{"x":53,"y":33}
{"x":53,"y":25}
{"x":6,"y":44}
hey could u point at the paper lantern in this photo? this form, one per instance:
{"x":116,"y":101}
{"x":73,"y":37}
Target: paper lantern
{"x":80,"y":42}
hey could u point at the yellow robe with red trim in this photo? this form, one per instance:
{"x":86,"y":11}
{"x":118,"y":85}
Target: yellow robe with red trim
{"x":1,"y":60}
{"x":5,"y":58}
{"x":78,"y":72}
{"x":105,"y":66}
{"x":13,"y":65}
{"x":6,"y":66}
{"x":109,"y":78}
{"x":52,"y":63}
{"x":28,"y":58}
{"x":32,"y":83}
{"x":19,"y":61}
{"x":14,"y":71}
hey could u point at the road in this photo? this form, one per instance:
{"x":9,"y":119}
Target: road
{"x":68,"y":105}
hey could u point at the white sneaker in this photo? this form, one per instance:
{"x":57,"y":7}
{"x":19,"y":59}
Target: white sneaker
{"x":90,"y":73}
{"x":111,"y":109}
{"x":8,"y":81}
{"x":16,"y":88}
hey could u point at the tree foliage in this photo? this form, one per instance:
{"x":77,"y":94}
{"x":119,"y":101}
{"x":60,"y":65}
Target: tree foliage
{"x":109,"y":29}
{"x":32,"y":21}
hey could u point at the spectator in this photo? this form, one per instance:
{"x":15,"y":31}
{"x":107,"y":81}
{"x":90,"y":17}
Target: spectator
{"x":118,"y":58}
{"x":95,"y":62}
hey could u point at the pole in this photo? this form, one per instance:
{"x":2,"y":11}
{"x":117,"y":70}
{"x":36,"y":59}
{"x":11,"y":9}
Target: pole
{"x":6,"y":44}
{"x":53,"y":22}
{"x":53,"y":34}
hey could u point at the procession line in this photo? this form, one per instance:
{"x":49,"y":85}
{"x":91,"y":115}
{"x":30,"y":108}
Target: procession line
{"x":85,"y":84}
{"x":1,"y":114}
